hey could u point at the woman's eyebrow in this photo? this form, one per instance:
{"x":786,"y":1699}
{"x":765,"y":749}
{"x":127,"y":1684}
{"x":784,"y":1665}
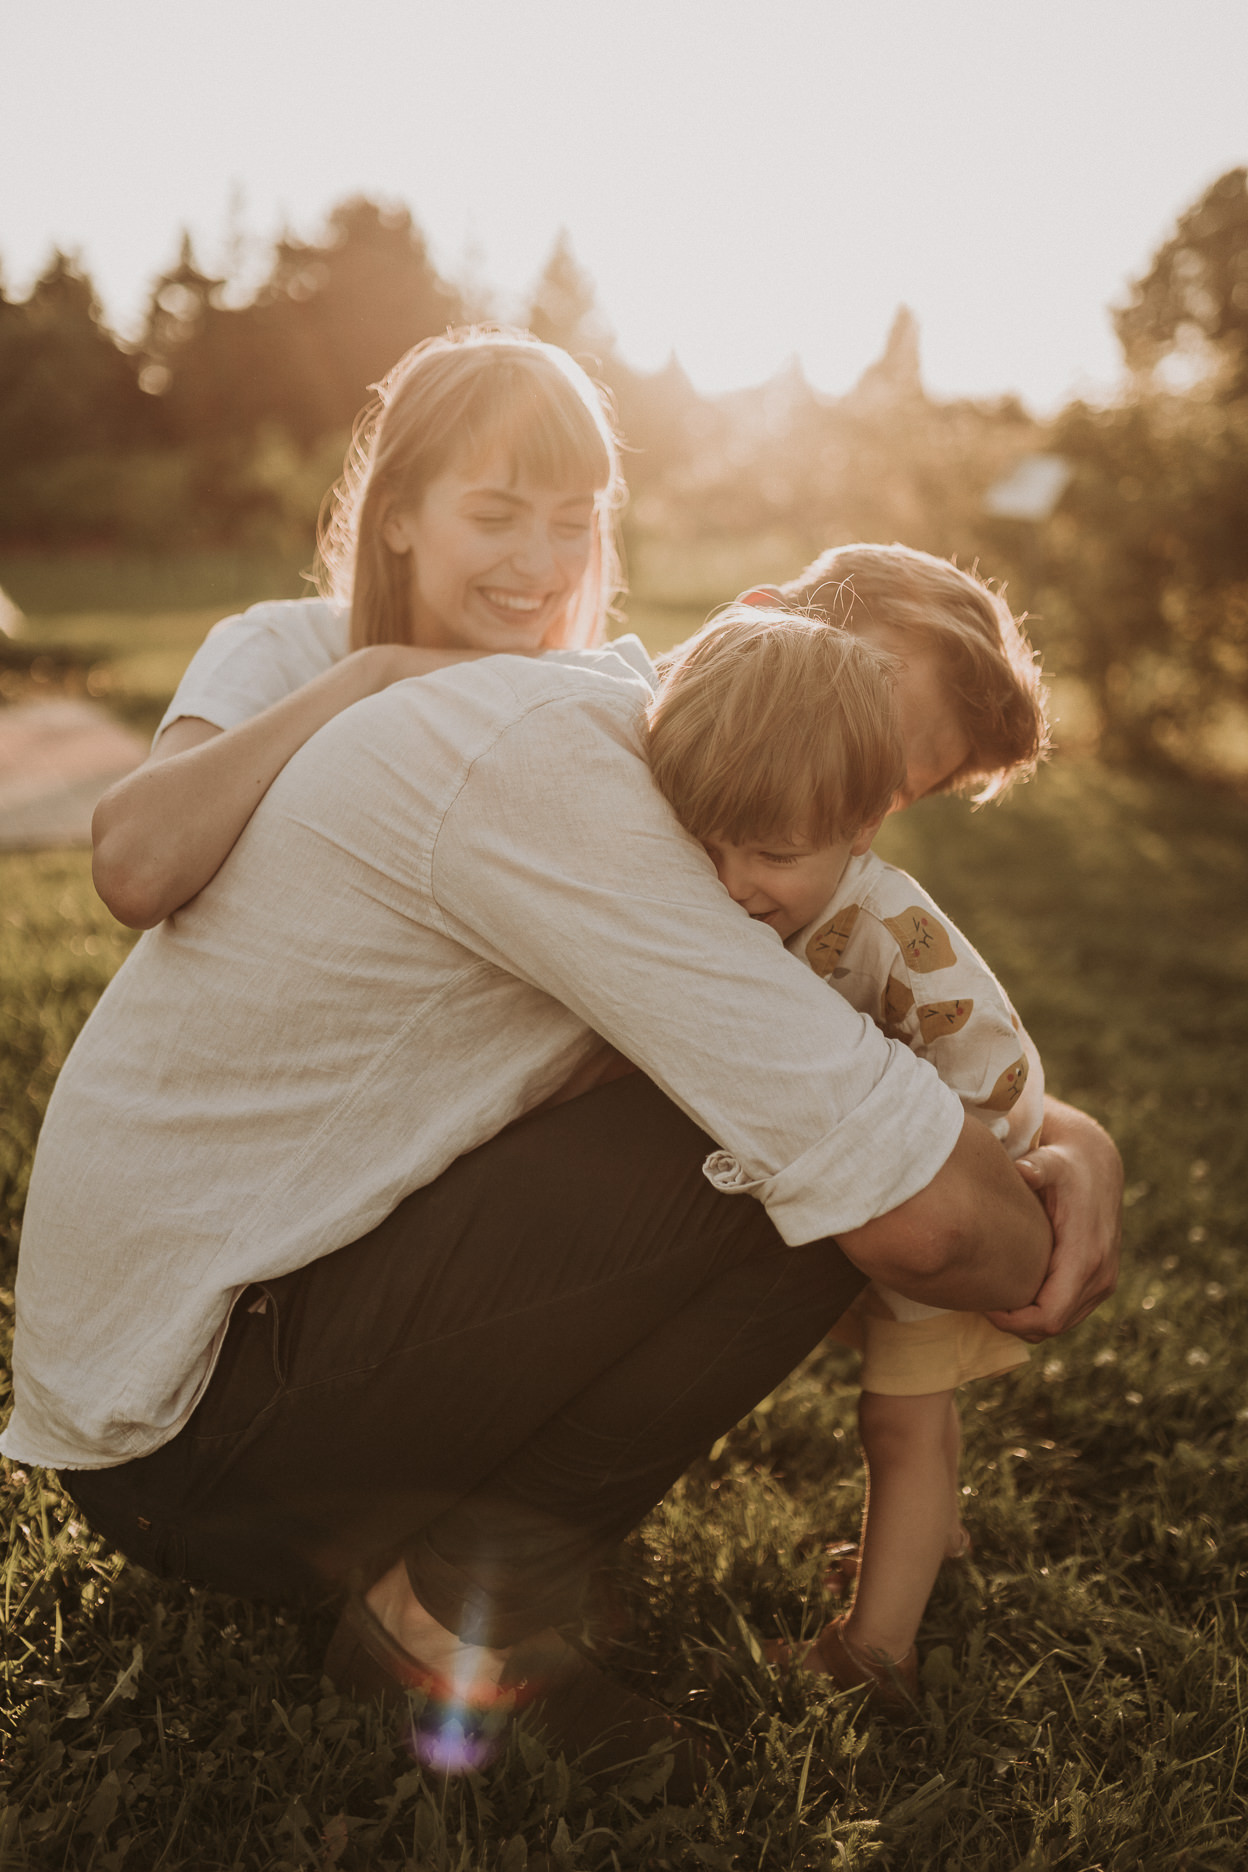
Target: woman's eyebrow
{"x":495,"y":493}
{"x":585,"y":499}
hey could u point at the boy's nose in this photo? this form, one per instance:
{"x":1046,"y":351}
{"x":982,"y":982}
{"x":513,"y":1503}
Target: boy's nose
{"x":737,"y":880}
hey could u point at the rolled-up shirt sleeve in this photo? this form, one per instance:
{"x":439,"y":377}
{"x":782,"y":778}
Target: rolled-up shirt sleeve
{"x":559,"y":861}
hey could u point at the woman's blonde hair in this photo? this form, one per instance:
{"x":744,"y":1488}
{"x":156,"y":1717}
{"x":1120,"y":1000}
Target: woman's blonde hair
{"x":768,"y":725}
{"x":458,"y":398}
{"x":992,"y":675}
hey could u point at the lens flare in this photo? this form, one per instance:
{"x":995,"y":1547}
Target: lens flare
{"x":449,"y":1741}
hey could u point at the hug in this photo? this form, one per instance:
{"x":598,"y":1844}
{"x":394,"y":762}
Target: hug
{"x":484,"y":1124}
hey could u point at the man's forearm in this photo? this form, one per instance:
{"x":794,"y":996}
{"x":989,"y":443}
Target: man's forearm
{"x":975,"y":1234}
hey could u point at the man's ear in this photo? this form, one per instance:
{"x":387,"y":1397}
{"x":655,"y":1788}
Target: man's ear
{"x":863,"y":841}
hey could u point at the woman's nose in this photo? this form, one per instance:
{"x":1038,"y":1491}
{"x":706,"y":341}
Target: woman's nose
{"x":534,"y":552}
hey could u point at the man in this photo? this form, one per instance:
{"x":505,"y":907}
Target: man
{"x":294,"y":1306}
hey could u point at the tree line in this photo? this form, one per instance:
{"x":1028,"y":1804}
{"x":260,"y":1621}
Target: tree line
{"x":225,"y":422}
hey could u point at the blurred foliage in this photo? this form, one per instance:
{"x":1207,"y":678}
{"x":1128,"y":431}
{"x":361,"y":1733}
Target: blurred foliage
{"x":1141,"y":578}
{"x":222,"y":427}
{"x":1186,"y":323}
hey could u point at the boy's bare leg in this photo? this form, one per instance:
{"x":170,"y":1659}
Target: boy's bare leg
{"x":911,"y":1522}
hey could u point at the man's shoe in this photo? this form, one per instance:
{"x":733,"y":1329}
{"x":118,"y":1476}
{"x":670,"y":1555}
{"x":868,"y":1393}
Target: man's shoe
{"x":583,"y":1713}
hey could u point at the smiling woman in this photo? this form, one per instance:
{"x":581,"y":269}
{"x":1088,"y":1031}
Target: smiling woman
{"x":494,"y":557}
{"x":475,"y":515}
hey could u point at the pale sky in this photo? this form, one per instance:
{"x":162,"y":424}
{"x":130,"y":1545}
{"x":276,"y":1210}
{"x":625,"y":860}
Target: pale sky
{"x":744,"y":180}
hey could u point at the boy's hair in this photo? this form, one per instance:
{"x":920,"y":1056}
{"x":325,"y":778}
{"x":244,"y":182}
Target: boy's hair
{"x":768,"y":725}
{"x":992,"y":675}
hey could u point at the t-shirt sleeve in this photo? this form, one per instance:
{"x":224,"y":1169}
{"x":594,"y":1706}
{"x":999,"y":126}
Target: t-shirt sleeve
{"x":628,"y":651}
{"x":559,"y":861}
{"x":898,"y":957}
{"x":248,"y":662}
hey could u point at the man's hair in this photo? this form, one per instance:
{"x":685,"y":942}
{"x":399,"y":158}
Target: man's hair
{"x":768,"y":725}
{"x":992,"y":676}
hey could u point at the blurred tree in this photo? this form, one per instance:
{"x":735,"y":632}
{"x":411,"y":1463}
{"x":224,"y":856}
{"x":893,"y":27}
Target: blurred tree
{"x":192,"y":363}
{"x":1141,"y":578}
{"x":564,"y":309}
{"x":65,"y":386}
{"x":328,"y":322}
{"x":883,"y":462}
{"x":895,"y":377}
{"x":1186,"y":324}
{"x":335,"y":315}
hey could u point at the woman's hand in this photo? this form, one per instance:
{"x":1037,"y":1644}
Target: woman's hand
{"x":160,"y":834}
{"x":1077,"y":1173}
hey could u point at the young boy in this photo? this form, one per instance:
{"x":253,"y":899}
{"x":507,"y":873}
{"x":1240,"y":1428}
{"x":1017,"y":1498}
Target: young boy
{"x":780,"y":745}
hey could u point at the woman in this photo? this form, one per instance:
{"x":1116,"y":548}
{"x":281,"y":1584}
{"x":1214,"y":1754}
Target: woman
{"x":635,"y":1278}
{"x":476,"y":514}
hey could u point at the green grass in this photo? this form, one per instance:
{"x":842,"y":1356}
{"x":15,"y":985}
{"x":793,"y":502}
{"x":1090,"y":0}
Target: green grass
{"x":68,"y":583}
{"x":1084,"y":1687}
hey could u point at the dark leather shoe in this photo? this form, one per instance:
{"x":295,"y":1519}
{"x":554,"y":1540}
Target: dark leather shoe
{"x":583,"y":1713}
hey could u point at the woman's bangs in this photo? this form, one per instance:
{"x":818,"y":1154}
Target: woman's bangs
{"x":542,"y":427}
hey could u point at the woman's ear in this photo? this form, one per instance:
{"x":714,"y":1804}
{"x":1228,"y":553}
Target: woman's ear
{"x":395,"y":532}
{"x":863,"y":841}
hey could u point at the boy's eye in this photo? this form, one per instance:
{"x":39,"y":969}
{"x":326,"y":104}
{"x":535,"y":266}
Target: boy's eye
{"x":782,"y":858}
{"x":492,"y":519}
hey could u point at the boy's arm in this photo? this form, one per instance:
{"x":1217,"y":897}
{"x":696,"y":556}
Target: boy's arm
{"x":1077,"y":1173}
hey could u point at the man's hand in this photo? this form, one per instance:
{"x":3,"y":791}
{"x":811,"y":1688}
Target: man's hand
{"x":1077,"y":1173}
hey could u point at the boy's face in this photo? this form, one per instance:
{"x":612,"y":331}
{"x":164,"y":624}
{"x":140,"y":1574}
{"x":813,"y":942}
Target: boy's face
{"x":784,"y":882}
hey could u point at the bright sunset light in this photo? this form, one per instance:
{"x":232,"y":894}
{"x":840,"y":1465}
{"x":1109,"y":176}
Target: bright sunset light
{"x":741,"y":182}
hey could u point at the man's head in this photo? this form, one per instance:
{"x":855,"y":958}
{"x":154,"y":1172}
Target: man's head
{"x":970,"y":697}
{"x":775,"y":741}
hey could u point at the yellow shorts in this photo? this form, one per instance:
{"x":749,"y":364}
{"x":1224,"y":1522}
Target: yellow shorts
{"x":911,"y":1358}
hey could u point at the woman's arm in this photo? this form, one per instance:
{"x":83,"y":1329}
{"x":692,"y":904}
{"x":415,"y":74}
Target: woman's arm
{"x":163,"y":831}
{"x":1077,"y":1172}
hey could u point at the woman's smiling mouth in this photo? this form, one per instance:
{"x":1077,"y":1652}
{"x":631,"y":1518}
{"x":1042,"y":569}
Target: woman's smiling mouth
{"x":511,"y":601}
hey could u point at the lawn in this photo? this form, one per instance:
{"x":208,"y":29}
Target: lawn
{"x":1084,"y":1689}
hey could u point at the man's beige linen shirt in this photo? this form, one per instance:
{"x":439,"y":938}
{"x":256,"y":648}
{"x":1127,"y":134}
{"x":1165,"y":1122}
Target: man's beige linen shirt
{"x":443,"y":898}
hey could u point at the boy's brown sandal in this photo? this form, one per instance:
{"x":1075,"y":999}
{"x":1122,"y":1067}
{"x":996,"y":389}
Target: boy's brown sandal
{"x":584,"y":1714}
{"x":893,"y":1682}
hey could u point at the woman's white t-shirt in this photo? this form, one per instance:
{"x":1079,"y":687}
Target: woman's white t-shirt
{"x":248,"y":662}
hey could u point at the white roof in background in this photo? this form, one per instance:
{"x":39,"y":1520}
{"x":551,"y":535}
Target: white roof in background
{"x":1031,"y":490}
{"x":11,"y":619}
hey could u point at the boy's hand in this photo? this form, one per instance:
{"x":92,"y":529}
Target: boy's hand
{"x":1077,"y":1173}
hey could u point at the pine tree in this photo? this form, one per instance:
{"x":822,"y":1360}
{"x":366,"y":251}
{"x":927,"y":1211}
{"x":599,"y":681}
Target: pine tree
{"x":66,"y":388}
{"x":564,"y":308}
